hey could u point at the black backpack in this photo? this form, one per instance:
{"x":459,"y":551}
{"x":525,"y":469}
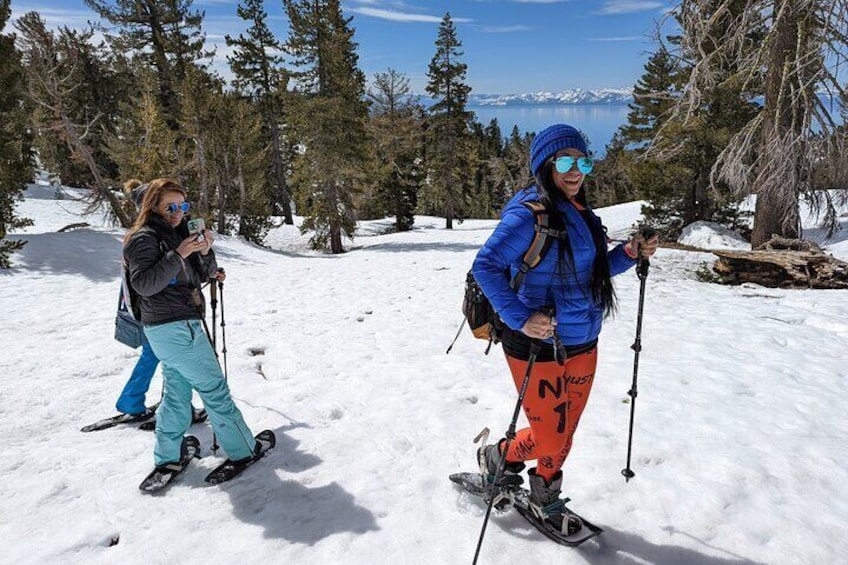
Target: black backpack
{"x":477,"y":311}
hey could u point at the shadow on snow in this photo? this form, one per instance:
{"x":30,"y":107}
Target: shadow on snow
{"x":290,"y":510}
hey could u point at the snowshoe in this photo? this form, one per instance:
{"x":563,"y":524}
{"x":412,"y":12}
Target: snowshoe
{"x":488,"y":459}
{"x":198,"y":416}
{"x":229,"y":469}
{"x":106,"y":423}
{"x":547,"y":506}
{"x":163,"y":475}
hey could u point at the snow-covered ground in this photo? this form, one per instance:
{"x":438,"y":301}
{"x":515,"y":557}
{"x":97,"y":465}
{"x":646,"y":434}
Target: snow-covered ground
{"x":740,"y":447}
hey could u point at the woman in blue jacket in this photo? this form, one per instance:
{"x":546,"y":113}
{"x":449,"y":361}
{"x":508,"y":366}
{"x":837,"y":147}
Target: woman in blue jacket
{"x":561,"y":302}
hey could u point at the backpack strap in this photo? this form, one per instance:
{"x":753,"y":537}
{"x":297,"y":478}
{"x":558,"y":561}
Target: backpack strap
{"x":127,"y":298}
{"x":542,"y":240}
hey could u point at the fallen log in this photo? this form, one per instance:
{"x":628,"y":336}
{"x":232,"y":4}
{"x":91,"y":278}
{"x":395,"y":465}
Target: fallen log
{"x":782,"y":263}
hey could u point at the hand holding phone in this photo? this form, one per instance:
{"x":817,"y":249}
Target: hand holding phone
{"x":196,"y":227}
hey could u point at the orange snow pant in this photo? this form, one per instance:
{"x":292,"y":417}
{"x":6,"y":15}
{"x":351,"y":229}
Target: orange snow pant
{"x":553,"y":403}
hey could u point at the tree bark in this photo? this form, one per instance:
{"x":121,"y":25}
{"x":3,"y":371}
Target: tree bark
{"x":282,"y":197}
{"x":790,"y":264}
{"x":776,"y":211}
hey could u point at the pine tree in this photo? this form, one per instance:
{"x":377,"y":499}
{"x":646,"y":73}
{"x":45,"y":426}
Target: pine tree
{"x":257,"y":66}
{"x":329,"y":119}
{"x":16,"y":158}
{"x":198,"y":126}
{"x":236,"y":156}
{"x":449,"y":152}
{"x":676,"y":182}
{"x":788,"y":50}
{"x":627,"y":169}
{"x":101,"y":86}
{"x":517,"y":161}
{"x":614,"y":179}
{"x":143,"y":146}
{"x":395,"y":128}
{"x":165,"y":34}
{"x":610,"y":182}
{"x":51,"y":87}
{"x":653,"y":97}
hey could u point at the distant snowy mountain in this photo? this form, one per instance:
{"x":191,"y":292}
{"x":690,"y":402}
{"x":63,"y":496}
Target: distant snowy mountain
{"x":574,"y":96}
{"x":609,"y":96}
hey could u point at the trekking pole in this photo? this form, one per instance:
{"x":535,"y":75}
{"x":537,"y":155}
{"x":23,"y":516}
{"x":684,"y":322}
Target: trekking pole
{"x":510,"y":435}
{"x":213,"y":300}
{"x":214,"y":294}
{"x":223,"y":325}
{"x":642,"y":271}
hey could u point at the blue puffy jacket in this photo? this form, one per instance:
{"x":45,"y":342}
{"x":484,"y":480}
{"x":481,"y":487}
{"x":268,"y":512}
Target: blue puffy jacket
{"x":578,"y":316}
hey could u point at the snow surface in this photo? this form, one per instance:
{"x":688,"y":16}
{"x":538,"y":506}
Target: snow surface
{"x":709,"y":235}
{"x":740,"y":434}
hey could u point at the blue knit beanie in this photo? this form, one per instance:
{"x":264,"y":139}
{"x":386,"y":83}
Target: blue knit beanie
{"x":552,"y":139}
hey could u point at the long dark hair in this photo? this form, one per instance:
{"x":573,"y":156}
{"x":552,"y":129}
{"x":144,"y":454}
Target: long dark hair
{"x":603,"y":292}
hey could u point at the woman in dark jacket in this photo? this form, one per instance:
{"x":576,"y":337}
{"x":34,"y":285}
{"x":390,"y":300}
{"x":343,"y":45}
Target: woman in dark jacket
{"x":167,"y":266}
{"x":131,"y":400}
{"x":560,"y":305}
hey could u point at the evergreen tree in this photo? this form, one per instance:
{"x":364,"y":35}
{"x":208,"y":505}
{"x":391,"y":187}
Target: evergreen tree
{"x":198,"y":126}
{"x":517,"y":161}
{"x":165,"y":34}
{"x":396,"y":131}
{"x":676,"y":182}
{"x":257,"y":65}
{"x":627,"y":169}
{"x":235,"y":145}
{"x":16,"y":166}
{"x":653,"y":98}
{"x":143,"y":146}
{"x":449,"y":150}
{"x":101,"y":86}
{"x":51,"y":88}
{"x":788,"y":50}
{"x":329,"y":119}
{"x":610,"y":182}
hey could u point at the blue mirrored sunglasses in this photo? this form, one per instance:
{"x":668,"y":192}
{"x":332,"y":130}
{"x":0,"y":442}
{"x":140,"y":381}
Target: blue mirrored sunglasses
{"x":564,"y":163}
{"x":173,"y":207}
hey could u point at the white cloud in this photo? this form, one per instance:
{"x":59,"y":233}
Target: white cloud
{"x":505,"y":29}
{"x":55,"y":17}
{"x":404,"y":17}
{"x":615,"y":7}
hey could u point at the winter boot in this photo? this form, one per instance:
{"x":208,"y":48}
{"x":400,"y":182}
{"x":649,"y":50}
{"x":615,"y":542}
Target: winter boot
{"x":549,"y":507}
{"x":198,"y":415}
{"x":489,"y":457}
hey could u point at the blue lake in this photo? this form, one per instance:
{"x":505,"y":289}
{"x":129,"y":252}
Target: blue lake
{"x":599,"y":122}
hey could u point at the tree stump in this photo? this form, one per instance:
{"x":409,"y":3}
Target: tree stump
{"x":782,"y":263}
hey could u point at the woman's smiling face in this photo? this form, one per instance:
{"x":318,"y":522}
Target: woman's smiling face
{"x":569,"y":182}
{"x":167,"y":199}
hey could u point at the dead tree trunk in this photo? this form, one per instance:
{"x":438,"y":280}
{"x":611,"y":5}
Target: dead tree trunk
{"x":783,"y":263}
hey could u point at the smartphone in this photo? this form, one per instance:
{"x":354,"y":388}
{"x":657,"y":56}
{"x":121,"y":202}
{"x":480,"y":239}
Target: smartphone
{"x":196,"y":226}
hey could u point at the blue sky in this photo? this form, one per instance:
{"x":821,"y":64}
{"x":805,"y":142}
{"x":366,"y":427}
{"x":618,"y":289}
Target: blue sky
{"x":511,"y":46}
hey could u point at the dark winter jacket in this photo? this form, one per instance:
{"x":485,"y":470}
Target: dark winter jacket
{"x":567,"y":289}
{"x":164,"y":281}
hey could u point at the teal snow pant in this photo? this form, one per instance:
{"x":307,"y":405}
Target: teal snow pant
{"x":188,"y":362}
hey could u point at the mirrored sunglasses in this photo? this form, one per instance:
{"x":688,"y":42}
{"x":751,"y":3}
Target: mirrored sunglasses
{"x":564,"y":164}
{"x":173,"y":207}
